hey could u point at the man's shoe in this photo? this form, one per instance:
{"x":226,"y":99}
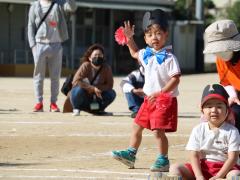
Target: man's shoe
{"x":124,"y":157}
{"x":160,"y":165}
{"x":102,"y":113}
{"x":134,"y":114}
{"x":38,"y":107}
{"x":76,"y":112}
{"x":54,"y":107}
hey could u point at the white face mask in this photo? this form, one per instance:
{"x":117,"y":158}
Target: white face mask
{"x":226,"y":56}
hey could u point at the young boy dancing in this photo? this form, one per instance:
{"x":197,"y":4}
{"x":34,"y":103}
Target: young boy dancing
{"x":159,"y":109}
{"x":214,"y":144}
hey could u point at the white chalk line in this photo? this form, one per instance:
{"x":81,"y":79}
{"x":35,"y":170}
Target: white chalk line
{"x":85,"y":135}
{"x":60,"y":122}
{"x":38,"y":122}
{"x":75,"y":171}
{"x":68,"y":177}
{"x":120,"y":135}
{"x":49,"y":177}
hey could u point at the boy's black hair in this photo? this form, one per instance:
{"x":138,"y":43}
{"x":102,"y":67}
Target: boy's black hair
{"x":156,"y":16}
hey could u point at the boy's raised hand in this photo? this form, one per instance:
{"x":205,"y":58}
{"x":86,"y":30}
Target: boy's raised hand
{"x":128,"y":29}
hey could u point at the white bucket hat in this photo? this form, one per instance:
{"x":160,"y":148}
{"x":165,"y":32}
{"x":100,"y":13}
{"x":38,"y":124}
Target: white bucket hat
{"x":222,"y":36}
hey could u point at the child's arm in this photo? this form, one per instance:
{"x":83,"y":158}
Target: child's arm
{"x":172,"y":83}
{"x":132,"y":46}
{"x":228,"y":164}
{"x":195,"y":162}
{"x":233,"y":97}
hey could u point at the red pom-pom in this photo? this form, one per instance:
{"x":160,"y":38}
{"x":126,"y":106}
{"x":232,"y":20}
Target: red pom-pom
{"x":120,"y":36}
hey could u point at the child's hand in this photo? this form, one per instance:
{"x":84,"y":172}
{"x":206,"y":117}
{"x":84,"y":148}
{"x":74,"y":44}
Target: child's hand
{"x":128,"y":29}
{"x":152,"y":97}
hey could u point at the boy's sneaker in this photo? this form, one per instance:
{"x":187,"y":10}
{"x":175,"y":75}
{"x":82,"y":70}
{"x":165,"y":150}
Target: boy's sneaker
{"x":124,"y":157}
{"x":76,"y":112}
{"x":38,"y":107}
{"x":160,"y":165}
{"x":54,"y":107}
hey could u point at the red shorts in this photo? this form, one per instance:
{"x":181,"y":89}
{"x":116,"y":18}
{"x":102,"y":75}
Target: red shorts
{"x":162,"y":114}
{"x":209,"y":168}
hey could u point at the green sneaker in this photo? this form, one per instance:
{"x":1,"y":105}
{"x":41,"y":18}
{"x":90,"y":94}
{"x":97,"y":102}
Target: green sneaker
{"x":124,"y":157}
{"x":161,"y":164}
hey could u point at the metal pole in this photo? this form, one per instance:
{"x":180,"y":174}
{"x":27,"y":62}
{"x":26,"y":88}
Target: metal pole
{"x":199,"y":10}
{"x":111,"y":45}
{"x":94,"y":26}
{"x":73,"y":21}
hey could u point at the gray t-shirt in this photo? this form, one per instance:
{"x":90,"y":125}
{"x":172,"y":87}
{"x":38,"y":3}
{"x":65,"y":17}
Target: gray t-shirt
{"x":51,"y":25}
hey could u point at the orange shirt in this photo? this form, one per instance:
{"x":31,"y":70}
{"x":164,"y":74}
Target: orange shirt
{"x":228,"y":74}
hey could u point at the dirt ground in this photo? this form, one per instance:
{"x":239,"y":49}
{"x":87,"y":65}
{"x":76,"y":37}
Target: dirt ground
{"x":46,"y":146}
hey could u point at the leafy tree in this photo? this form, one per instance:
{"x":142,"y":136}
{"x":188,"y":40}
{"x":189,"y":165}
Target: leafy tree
{"x":182,"y":11}
{"x":233,"y":13}
{"x":209,"y":4}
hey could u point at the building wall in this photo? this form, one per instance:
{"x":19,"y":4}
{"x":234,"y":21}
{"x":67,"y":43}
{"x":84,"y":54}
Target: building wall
{"x":13,"y":31}
{"x":93,"y":25}
{"x":184,"y":46}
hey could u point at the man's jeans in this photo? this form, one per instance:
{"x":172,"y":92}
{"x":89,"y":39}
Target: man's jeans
{"x":134,"y":101}
{"x":81,"y":100}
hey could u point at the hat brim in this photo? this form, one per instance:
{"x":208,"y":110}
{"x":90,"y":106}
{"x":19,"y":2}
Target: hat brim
{"x":223,"y":45}
{"x":214,"y":96}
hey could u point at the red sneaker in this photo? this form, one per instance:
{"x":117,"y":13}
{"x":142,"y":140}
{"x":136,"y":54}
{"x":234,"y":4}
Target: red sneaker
{"x":54,"y":107}
{"x":38,"y":107}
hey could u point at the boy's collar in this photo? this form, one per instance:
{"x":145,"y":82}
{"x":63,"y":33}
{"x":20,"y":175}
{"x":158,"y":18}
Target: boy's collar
{"x":215,"y":129}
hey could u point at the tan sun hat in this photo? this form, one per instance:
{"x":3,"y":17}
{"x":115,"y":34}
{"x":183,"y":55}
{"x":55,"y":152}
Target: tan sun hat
{"x":222,"y":36}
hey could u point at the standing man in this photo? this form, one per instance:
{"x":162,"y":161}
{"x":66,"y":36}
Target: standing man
{"x":47,"y":29}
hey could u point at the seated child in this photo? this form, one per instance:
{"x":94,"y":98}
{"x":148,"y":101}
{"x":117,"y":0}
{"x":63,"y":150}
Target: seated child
{"x":132,"y":87}
{"x":213,"y":144}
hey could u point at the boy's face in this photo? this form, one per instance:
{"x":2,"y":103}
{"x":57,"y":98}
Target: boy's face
{"x":215,"y":111}
{"x":155,"y":37}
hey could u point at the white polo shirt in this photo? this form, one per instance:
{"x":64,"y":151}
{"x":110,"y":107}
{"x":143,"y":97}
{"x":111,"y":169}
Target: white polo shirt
{"x":214,"y":145}
{"x":158,"y":75}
